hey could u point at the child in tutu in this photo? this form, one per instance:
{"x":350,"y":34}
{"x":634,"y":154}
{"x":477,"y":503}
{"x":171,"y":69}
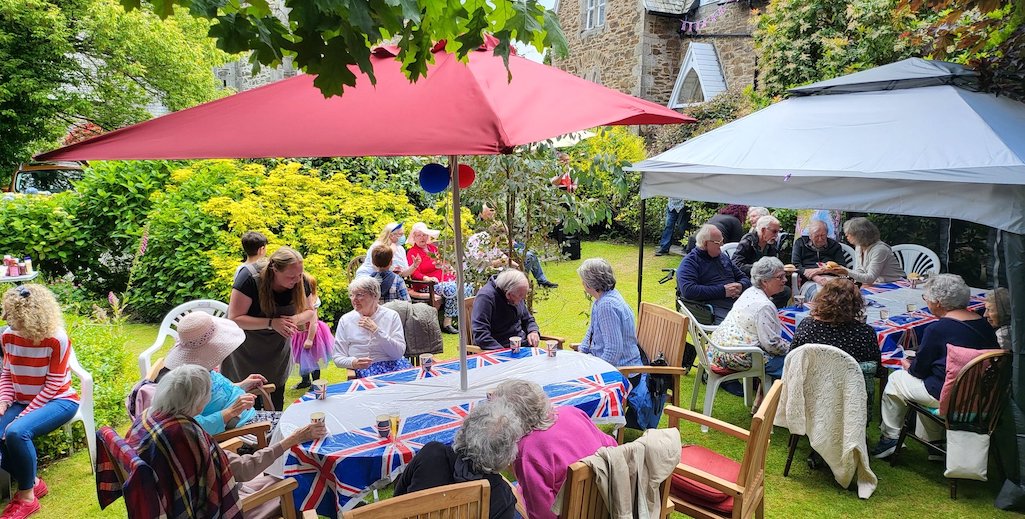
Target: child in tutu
{"x":310,"y":348}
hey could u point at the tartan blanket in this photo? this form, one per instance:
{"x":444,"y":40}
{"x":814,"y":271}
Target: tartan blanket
{"x":113,"y":456}
{"x":191,"y":471}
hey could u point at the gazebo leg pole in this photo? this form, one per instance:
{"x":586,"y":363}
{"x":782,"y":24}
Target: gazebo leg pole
{"x":453,"y":169}
{"x":640,"y":259}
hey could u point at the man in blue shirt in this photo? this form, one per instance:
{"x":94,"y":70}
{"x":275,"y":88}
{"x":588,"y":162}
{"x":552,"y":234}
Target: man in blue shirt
{"x":706,"y":276}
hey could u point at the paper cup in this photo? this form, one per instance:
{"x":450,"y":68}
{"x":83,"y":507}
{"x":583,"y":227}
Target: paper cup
{"x":884,"y":314}
{"x":383,"y":425}
{"x":319,"y":388}
{"x":426,"y":361}
{"x":514,"y":343}
{"x":317,"y":417}
{"x":553,"y":348}
{"x":912,"y":307}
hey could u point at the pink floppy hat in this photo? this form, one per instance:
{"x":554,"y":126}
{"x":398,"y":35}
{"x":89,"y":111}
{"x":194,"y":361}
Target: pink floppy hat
{"x":204,"y":340}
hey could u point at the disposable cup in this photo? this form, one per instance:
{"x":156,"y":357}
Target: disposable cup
{"x":317,"y":417}
{"x":884,"y":314}
{"x":912,"y":307}
{"x":383,"y":425}
{"x":553,"y":348}
{"x":319,"y":388}
{"x":514,"y":343}
{"x":426,"y":361}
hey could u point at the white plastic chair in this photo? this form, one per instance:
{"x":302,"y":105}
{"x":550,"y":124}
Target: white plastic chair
{"x":169,"y":327}
{"x":729,"y":248}
{"x":85,"y":408}
{"x":848,"y":255}
{"x":704,"y":343}
{"x":916,"y":258}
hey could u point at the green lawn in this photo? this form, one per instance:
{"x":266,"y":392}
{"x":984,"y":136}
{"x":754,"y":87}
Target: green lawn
{"x":915,"y":488}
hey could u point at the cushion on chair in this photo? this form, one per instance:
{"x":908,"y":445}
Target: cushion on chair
{"x":721,"y":371}
{"x":957,"y":358}
{"x":699,"y":493}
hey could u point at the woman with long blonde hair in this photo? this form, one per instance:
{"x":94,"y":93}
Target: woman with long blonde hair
{"x":36,"y":396}
{"x":270,"y":301}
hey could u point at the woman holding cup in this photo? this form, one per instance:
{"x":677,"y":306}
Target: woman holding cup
{"x":369,"y":339}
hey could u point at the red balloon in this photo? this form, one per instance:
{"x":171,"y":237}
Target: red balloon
{"x":466,"y":176}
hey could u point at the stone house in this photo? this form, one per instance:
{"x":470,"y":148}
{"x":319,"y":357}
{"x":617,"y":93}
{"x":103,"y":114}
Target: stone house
{"x":672,"y":52}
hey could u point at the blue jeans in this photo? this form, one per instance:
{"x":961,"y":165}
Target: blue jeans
{"x":674,"y":219}
{"x":774,"y":367}
{"x":534,"y":267}
{"x":17,"y":452}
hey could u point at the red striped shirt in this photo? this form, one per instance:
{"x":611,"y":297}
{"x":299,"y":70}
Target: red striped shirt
{"x":34,"y":374}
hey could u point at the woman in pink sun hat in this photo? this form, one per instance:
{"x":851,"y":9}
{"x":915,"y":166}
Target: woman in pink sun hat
{"x":205,"y":341}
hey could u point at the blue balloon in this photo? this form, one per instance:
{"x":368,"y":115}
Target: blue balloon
{"x":434,"y":178}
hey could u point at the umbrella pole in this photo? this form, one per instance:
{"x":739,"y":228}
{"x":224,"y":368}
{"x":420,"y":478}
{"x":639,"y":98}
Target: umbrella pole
{"x":453,"y":170}
{"x":640,"y":260}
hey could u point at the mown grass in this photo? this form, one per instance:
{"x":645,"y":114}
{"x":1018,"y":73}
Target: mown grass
{"x":915,"y":488}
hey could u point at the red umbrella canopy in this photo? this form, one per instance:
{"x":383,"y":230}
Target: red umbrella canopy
{"x":460,"y":108}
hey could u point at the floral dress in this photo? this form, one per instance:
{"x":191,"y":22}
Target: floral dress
{"x":752,"y":321}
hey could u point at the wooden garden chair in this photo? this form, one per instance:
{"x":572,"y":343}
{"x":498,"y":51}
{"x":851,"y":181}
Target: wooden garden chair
{"x":707,"y":484}
{"x":468,"y":500}
{"x":582,"y":500}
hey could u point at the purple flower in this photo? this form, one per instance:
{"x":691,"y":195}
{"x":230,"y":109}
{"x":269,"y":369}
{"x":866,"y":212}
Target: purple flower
{"x":144,"y":242}
{"x":114,"y":301}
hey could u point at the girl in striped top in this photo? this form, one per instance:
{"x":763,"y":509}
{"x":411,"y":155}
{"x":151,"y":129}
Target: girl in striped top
{"x":36,"y":396}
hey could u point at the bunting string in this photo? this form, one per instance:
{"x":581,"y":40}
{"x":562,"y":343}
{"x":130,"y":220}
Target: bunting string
{"x":695,"y":26}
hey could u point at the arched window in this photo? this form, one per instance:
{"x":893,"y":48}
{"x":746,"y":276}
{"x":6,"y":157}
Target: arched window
{"x":700,"y":77}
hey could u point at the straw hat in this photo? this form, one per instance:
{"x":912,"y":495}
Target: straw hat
{"x":422,"y":227}
{"x":204,"y":340}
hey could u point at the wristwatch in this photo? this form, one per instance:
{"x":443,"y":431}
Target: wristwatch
{"x":270,"y":323}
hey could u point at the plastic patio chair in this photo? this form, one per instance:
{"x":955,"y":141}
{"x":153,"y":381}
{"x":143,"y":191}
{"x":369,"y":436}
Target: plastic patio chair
{"x":848,"y":255}
{"x":729,"y":248}
{"x":916,"y":258}
{"x":704,"y":344}
{"x":169,"y":327}
{"x":85,"y":407}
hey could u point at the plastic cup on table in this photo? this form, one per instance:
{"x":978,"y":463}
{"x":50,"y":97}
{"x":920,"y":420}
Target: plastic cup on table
{"x":317,"y":417}
{"x":393,"y":419}
{"x":514,"y":344}
{"x":884,"y":314}
{"x":553,"y":347}
{"x":319,"y":388}
{"x":383,"y":425}
{"x":426,"y":361}
{"x":912,"y":307}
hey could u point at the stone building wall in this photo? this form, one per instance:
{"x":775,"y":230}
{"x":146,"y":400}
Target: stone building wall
{"x":736,"y":53}
{"x":663,"y":51}
{"x":238,"y":75}
{"x":609,"y":55}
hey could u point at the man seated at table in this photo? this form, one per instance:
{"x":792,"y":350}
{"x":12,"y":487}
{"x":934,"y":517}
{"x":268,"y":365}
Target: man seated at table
{"x":815,"y":248}
{"x":761,"y":242}
{"x":921,"y":379}
{"x":483,"y":447}
{"x":707,"y":277}
{"x":500,"y":312}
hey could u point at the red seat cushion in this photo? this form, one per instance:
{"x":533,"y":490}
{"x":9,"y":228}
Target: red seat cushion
{"x":699,"y":493}
{"x":721,"y":371}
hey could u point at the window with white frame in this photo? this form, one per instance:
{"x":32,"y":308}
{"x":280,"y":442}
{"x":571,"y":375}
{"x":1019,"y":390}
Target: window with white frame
{"x":595,"y":14}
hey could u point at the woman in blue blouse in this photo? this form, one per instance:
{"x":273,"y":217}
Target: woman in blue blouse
{"x":611,"y":334}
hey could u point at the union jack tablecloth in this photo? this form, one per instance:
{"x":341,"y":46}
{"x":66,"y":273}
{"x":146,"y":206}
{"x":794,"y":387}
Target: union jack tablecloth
{"x":904,"y":327}
{"x":335,"y":473}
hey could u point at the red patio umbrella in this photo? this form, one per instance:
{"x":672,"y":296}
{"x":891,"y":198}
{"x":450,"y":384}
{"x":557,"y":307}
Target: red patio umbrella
{"x":460,"y":108}
{"x":473,"y":108}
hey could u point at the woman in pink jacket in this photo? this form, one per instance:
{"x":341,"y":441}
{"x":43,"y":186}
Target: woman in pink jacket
{"x":557,"y":438}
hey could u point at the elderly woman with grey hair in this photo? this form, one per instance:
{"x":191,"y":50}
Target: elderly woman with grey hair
{"x":170,"y":441}
{"x":555,"y":439}
{"x":753,"y":321}
{"x":611,"y":334}
{"x":369,"y":339}
{"x":484,"y":446}
{"x":874,"y":261}
{"x":921,"y":380}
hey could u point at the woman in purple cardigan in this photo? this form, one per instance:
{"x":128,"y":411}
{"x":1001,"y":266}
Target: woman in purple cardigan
{"x":556,"y":439}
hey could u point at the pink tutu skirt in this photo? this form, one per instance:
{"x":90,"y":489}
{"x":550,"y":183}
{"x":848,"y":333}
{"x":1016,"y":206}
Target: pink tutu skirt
{"x":309,"y":360}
